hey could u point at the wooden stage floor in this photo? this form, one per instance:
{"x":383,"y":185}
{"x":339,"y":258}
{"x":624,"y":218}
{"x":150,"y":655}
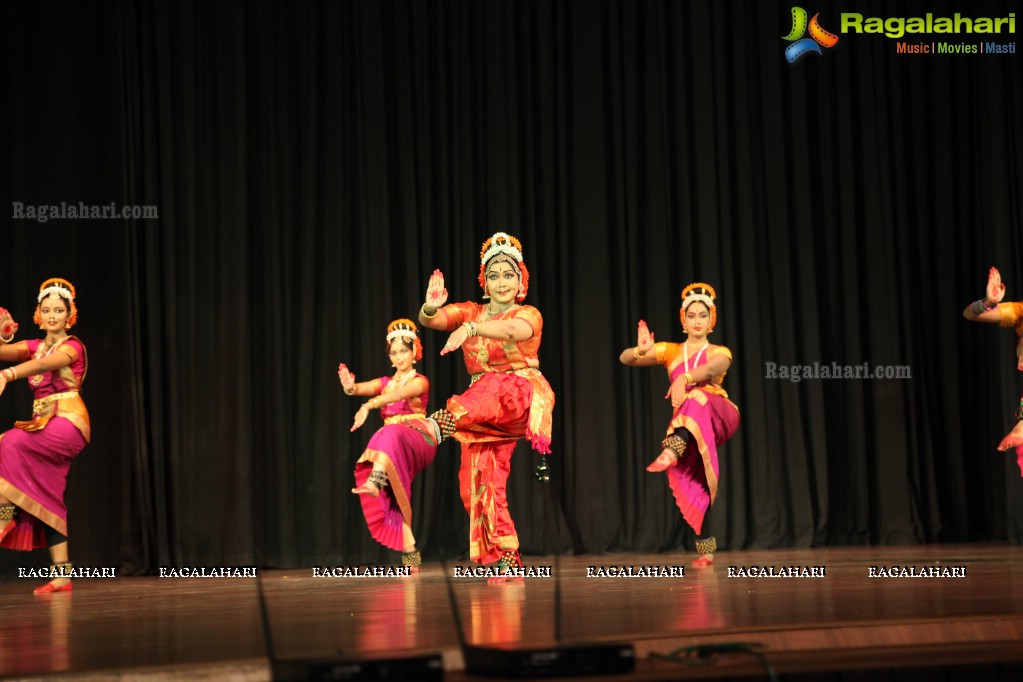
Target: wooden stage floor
{"x":229,"y":628}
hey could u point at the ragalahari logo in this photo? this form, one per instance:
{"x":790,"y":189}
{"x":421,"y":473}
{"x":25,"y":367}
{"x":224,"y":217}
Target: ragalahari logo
{"x":801,"y":46}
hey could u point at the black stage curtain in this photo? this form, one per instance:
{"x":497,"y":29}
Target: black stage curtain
{"x":312,"y":162}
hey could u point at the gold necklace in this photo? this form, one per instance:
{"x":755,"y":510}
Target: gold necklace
{"x":398,"y":381}
{"x":36,"y":379}
{"x":493,"y":313}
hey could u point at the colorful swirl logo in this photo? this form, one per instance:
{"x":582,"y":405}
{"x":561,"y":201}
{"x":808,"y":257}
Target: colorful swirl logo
{"x":801,"y":46}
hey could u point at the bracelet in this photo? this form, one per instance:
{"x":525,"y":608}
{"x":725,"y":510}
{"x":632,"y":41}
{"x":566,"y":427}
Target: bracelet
{"x":10,"y":374}
{"x":6,"y":339}
{"x":470,"y":328}
{"x":636,"y":354}
{"x":688,"y":377}
{"x":372,"y":403}
{"x":429,"y":316}
{"x":347,"y":392}
{"x":977,"y":307}
{"x":989,"y":304}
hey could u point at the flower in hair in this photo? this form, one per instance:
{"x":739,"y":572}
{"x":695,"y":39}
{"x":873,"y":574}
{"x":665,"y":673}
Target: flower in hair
{"x":504,"y":244}
{"x":56,"y":286}
{"x":704,"y":293}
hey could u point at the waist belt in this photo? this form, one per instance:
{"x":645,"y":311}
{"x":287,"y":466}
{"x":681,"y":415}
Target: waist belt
{"x":522,"y":372}
{"x":38,"y":405}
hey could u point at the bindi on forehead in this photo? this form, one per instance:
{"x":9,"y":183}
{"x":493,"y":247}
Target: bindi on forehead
{"x":500,"y":268}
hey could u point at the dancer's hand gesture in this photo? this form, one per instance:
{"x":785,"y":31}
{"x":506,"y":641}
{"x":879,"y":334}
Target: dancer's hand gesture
{"x":995,"y":288}
{"x":436,"y":294}
{"x":644,"y":338}
{"x":360,"y":417}
{"x":347,"y":379}
{"x":8,"y":327}
{"x":456,"y":340}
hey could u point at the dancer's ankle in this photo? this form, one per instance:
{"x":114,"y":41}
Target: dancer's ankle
{"x":412,"y":560}
{"x":706,"y":548}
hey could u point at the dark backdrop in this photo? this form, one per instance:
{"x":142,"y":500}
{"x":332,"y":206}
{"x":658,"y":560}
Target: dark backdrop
{"x":313,"y":162}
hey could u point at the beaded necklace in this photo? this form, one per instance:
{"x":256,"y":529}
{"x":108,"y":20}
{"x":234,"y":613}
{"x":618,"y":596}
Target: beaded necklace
{"x":696,"y":360}
{"x":397,"y":382}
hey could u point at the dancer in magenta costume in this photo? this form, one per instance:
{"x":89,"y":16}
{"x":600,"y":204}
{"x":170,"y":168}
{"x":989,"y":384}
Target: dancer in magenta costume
{"x":990,"y":309}
{"x":704,"y":417}
{"x":36,"y":454}
{"x":399,"y":450}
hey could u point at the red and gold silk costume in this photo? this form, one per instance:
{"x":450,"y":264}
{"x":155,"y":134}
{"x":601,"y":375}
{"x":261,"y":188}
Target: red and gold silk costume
{"x":508,"y":399}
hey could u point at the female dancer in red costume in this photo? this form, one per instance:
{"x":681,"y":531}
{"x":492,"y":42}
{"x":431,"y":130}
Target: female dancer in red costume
{"x":508,"y":398}
{"x":35,"y":455}
{"x":991,"y":309}
{"x":398,"y":451}
{"x":704,"y":417}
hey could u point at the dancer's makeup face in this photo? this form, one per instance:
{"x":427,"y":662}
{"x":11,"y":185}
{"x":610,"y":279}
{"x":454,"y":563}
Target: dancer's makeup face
{"x":54,"y":313}
{"x":697,"y":319}
{"x":502,"y":283}
{"x":401,"y":355}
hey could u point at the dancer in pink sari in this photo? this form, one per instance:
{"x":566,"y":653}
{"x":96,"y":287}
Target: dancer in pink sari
{"x":399,"y":450}
{"x":704,"y":417}
{"x":35,"y":455}
{"x":990,"y":309}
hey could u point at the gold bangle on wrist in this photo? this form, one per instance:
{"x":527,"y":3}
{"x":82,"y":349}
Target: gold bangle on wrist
{"x":429,"y":316}
{"x":7,"y":339}
{"x":636,"y":354}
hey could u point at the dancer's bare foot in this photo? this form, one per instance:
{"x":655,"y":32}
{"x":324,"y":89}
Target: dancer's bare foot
{"x":508,"y":565}
{"x":367,"y":488}
{"x":664,"y":461}
{"x":61,"y":581}
{"x":703,"y":561}
{"x":373,"y":484}
{"x":1014,"y":439}
{"x":55,"y":585}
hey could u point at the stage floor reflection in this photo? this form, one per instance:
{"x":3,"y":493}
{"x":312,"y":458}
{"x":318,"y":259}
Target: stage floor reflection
{"x":814,"y":609}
